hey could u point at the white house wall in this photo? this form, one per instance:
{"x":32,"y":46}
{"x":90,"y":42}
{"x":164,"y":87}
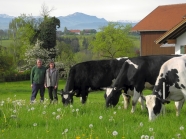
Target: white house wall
{"x":180,"y":41}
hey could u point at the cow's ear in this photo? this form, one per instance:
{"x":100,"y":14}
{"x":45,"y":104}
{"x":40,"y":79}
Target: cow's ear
{"x":143,"y":97}
{"x":164,"y":101}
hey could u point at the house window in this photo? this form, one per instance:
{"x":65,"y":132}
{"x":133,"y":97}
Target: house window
{"x":183,"y":50}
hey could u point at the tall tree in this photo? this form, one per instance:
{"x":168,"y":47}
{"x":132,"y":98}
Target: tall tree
{"x":48,"y":32}
{"x":113,"y":41}
{"x":22,"y":30}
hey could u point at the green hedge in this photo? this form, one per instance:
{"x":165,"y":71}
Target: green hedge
{"x":16,"y":76}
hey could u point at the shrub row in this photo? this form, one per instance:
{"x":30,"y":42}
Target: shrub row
{"x":16,"y":76}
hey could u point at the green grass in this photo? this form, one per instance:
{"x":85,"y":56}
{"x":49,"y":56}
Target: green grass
{"x":19,"y":119}
{"x":5,"y":43}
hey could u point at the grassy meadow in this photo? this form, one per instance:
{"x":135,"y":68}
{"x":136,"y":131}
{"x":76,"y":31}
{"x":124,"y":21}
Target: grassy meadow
{"x":19,"y":119}
{"x":5,"y":43}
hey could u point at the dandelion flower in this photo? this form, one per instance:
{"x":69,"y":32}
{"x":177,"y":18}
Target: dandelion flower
{"x":146,"y":137}
{"x":45,"y":106}
{"x":44,"y":112}
{"x":91,"y":125}
{"x":58,"y":117}
{"x":114,"y":133}
{"x":151,"y":137}
{"x":181,"y":128}
{"x":66,"y":130}
{"x":19,"y":103}
{"x":141,"y":124}
{"x":53,"y":113}
{"x":28,"y":110}
{"x":71,"y":106}
{"x":77,"y":110}
{"x":14,"y":111}
{"x":73,"y":110}
{"x":179,"y":135}
{"x":13,"y":116}
{"x":119,"y":107}
{"x":114,"y":112}
{"x":59,"y":109}
{"x":100,"y":117}
{"x":150,"y":129}
{"x":32,"y":108}
{"x":35,"y":124}
{"x":142,"y":136}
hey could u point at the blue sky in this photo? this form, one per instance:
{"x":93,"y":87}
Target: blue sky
{"x":111,"y":10}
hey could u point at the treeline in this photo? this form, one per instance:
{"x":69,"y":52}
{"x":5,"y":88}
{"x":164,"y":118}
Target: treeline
{"x":32,"y":39}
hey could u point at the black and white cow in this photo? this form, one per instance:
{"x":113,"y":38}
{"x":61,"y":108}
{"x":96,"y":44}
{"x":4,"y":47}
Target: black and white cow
{"x":133,"y":75}
{"x":92,"y":75}
{"x":173,"y":74}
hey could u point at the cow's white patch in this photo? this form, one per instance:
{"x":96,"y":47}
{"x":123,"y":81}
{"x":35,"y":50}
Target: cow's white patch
{"x":150,"y":103}
{"x":134,"y":100}
{"x":119,"y":58}
{"x":131,"y":63}
{"x":65,"y":96}
{"x":80,"y":99}
{"x":108,"y":91}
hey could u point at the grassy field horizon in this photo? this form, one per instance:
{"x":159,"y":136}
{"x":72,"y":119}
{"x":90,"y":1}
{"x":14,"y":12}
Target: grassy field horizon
{"x":19,"y":119}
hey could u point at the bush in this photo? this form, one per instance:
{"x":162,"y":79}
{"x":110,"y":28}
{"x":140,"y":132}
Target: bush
{"x":17,"y":76}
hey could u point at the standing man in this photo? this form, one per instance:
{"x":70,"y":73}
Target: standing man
{"x":51,"y":82}
{"x":37,"y":78}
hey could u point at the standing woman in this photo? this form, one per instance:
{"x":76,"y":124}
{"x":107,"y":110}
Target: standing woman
{"x":51,"y":82}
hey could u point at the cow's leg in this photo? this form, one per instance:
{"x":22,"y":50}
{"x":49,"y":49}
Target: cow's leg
{"x":141,"y":101}
{"x":135,"y":100}
{"x":84,"y":95}
{"x":126,"y":101}
{"x":178,"y":105}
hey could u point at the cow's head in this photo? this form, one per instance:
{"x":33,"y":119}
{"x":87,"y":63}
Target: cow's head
{"x":112,"y":96}
{"x":67,"y":97}
{"x":154,"y":105}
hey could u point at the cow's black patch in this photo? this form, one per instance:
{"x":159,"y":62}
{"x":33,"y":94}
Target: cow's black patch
{"x":182,"y":86}
{"x":173,"y":78}
{"x":157,"y":107}
{"x":161,"y":75}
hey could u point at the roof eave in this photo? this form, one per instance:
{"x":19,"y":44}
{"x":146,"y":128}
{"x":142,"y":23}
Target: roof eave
{"x":147,"y":30}
{"x":168,"y":33}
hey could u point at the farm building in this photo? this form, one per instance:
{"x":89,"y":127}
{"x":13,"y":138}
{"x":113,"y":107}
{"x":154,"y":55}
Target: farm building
{"x":163,"y":31}
{"x":75,"y":31}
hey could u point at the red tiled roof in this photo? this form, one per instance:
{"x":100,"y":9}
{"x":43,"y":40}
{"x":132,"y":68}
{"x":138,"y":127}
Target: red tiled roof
{"x":173,"y":33}
{"x":75,"y":31}
{"x":162,"y":18}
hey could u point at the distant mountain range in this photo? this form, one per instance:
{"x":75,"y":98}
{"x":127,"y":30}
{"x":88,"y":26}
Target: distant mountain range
{"x":77,"y":20}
